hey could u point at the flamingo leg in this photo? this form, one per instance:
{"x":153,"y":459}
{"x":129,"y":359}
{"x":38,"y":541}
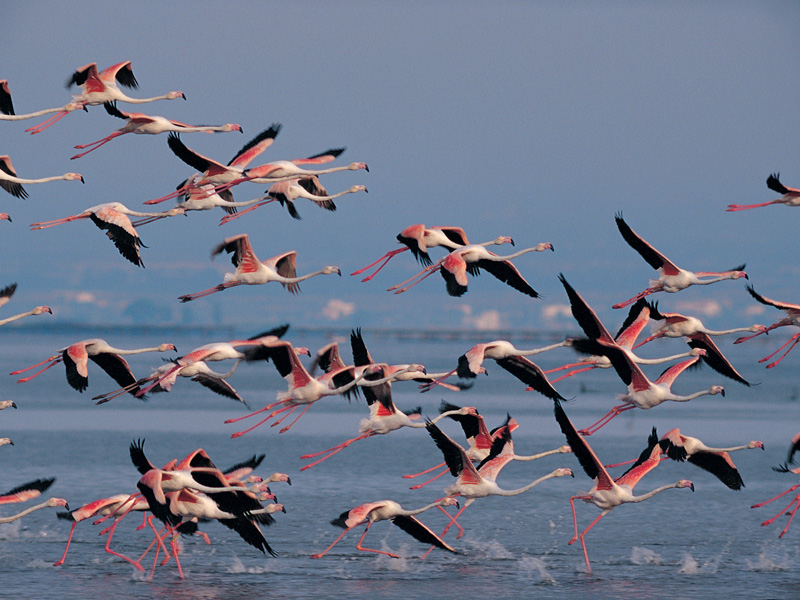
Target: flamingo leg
{"x":434,"y":478}
{"x":259,"y":411}
{"x":735,"y":207}
{"x":606,"y":419}
{"x":791,"y":516}
{"x":179,"y":192}
{"x":324,"y":552}
{"x":96,"y":144}
{"x":147,"y":220}
{"x":331,"y":451}
{"x":290,"y":408}
{"x":54,"y":358}
{"x":453,"y":522}
{"x":103,"y":398}
{"x":208,"y":292}
{"x":638,"y":296}
{"x":439,"y":466}
{"x":385,"y":258}
{"x":430,"y":271}
{"x":122,"y":556}
{"x":26,"y":379}
{"x":450,"y":524}
{"x":46,"y":224}
{"x":793,"y":340}
{"x":765,"y":331}
{"x":45,"y":124}
{"x":231,"y":217}
{"x":426,"y":387}
{"x":790,"y":490}
{"x":573,"y":372}
{"x":361,"y":539}
{"x":60,"y":561}
{"x":583,"y":541}
{"x":289,"y":426}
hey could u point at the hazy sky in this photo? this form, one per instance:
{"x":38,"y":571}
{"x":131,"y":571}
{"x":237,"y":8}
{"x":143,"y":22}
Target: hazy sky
{"x":535,"y":120}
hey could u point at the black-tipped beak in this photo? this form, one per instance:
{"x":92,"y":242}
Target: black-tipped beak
{"x":13,"y":405}
{"x":723,"y":393}
{"x":183,"y":96}
{"x":289,"y":481}
{"x":85,"y":109}
{"x":552,"y":248}
{"x":512,"y":242}
{"x":366,"y":168}
{"x":82,"y":181}
{"x":691,"y":487}
{"x":366,"y":191}
{"x":746,"y":277}
{"x":66,"y":505}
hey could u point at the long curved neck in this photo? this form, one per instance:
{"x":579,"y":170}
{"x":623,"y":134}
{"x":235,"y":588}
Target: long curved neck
{"x":15,"y":317}
{"x":416,"y":511}
{"x":656,"y":361}
{"x":652,"y":493}
{"x":135,"y":350}
{"x":30,"y":115}
{"x":544,"y":349}
{"x":540,"y":455}
{"x":124,"y":98}
{"x":527,"y":487}
{"x":42,"y":180}
{"x":726,"y":331}
{"x":21,"y":514}
{"x":676,"y":398}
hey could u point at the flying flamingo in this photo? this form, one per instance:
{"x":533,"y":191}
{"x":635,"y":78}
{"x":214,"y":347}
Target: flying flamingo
{"x":112,"y":217}
{"x":792,"y":318}
{"x":455,"y":266}
{"x":389,"y":510}
{"x":13,"y":184}
{"x":717,"y":461}
{"x":642,"y":393}
{"x":287,"y":191}
{"x":789,"y":196}
{"x":26,"y":491}
{"x":75,"y":358}
{"x":51,"y":503}
{"x":303,"y":388}
{"x":419,"y":238}
{"x":671,"y":277}
{"x":100,"y":87}
{"x":470,"y":363}
{"x":5,"y":297}
{"x":251,"y":271}
{"x":211,"y":171}
{"x":7,"y":106}
{"x":149,"y":125}
{"x":607,"y":493}
{"x":479,"y":440}
{"x":638,"y":317}
{"x":479,"y":482}
{"x":384,"y":416}
{"x":795,"y":447}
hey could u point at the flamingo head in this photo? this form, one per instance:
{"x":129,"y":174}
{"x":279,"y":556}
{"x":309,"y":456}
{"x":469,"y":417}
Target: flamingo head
{"x":449,"y":501}
{"x":232,"y":127}
{"x":545,"y":246}
{"x":165,"y":347}
{"x":717,"y":389}
{"x":273,"y":508}
{"x":173,"y":95}
{"x":503,"y":239}
{"x":330,"y":270}
{"x":359,"y":188}
{"x":739,"y":275}
{"x":759,"y":329}
{"x":564,"y":471}
{"x":469,"y":410}
{"x":357,"y":166}
{"x":54,"y":502}
{"x":73,"y":176}
{"x":280,"y":477}
{"x":5,"y":217}
{"x":685,"y":483}
{"x":6,"y":442}
{"x":41,"y":309}
{"x":302,"y":350}
{"x":756,"y":444}
{"x":565,"y":450}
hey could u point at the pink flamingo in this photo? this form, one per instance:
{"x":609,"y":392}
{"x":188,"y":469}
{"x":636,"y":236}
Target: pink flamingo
{"x":150,"y":125}
{"x":795,"y":447}
{"x":671,"y":277}
{"x":112,"y":217}
{"x":608,"y":493}
{"x":789,"y":196}
{"x":642,"y":393}
{"x":5,"y":297}
{"x":13,"y":184}
{"x":7,"y":106}
{"x":26,"y":491}
{"x":76,"y":356}
{"x":792,"y":317}
{"x":455,"y":266}
{"x":676,"y":325}
{"x":287,"y":191}
{"x":389,"y":510}
{"x":50,"y":503}
{"x":100,"y":87}
{"x":251,"y":271}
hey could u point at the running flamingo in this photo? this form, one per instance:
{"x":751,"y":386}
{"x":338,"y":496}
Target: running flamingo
{"x":251,"y":271}
{"x":112,"y":217}
{"x":389,"y":510}
{"x":789,"y":196}
{"x":151,"y":125}
{"x":455,"y":266}
{"x":100,"y":87}
{"x":671,"y":277}
{"x":75,"y":358}
{"x":792,"y":317}
{"x":795,"y":447}
{"x":13,"y":184}
{"x":608,"y":493}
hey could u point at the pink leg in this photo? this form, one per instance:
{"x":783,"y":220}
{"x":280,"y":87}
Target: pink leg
{"x":571,"y":373}
{"x":638,"y":296}
{"x":583,"y":541}
{"x":96,"y":144}
{"x":331,"y":451}
{"x":236,"y":215}
{"x":426,"y":387}
{"x":793,"y":340}
{"x":789,"y":491}
{"x":453,"y":522}
{"x":45,"y":124}
{"x":430,"y":271}
{"x":69,"y":539}
{"x":290,"y":425}
{"x":735,"y":207}
{"x":439,"y":466}
{"x":123,"y":557}
{"x":290,"y":408}
{"x":765,"y":331}
{"x":360,"y":547}
{"x":324,"y":552}
{"x":204,"y":293}
{"x":179,"y":192}
{"x":606,"y":419}
{"x":421,"y":485}
{"x":385,"y":258}
{"x":791,"y":516}
{"x":781,"y":512}
{"x":258,"y":412}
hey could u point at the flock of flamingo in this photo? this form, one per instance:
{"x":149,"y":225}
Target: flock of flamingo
{"x":184,"y":494}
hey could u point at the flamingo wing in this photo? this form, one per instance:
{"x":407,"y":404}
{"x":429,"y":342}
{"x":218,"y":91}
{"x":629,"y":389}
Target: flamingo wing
{"x":321,"y":158}
{"x":714,"y":357}
{"x":721,"y":466}
{"x":84,"y":74}
{"x":285,"y":265}
{"x":634,"y":474}
{"x":637,"y":319}
{"x":255,"y":146}
{"x":122,"y":72}
{"x":26,"y":491}
{"x":138,"y":457}
{"x":506,"y":272}
{"x":7,"y":292}
{"x":671,"y":373}
{"x":250,"y":533}
{"x":6,"y":105}
{"x":770,"y":302}
{"x":361,"y":355}
{"x":584,"y":314}
{"x":218,"y":386}
{"x":119,"y":370}
{"x":454,"y":455}
{"x":242,"y":255}
{"x":653,"y":257}
{"x":250,"y":465}
{"x":193,"y":159}
{"x":121,"y":232}
{"x":774,"y":183}
{"x":530,"y":374}
{"x":421,"y":532}
{"x":592,"y":465}
{"x":12,"y":187}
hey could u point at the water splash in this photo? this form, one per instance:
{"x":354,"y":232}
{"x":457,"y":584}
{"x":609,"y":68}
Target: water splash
{"x":645,"y":556}
{"x":768,"y":563}
{"x":238,"y":567}
{"x":535,"y":569}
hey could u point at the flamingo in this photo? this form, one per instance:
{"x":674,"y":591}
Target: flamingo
{"x":608,"y":493}
{"x":389,"y":510}
{"x":792,"y":317}
{"x":638,"y":316}
{"x":303,"y":388}
{"x":789,"y":196}
{"x":5,"y":297}
{"x":50,"y":503}
{"x":100,"y":87}
{"x":671,"y":277}
{"x":6,"y":441}
{"x":75,"y":358}
{"x":7,"y":106}
{"x":479,"y":482}
{"x":479,"y":439}
{"x":112,"y":217}
{"x":287,"y":191}
{"x":26,"y":491}
{"x":4,"y":404}
{"x":642,"y":393}
{"x":784,"y":468}
{"x":504,"y":352}
{"x":150,"y":125}
{"x":384,"y":416}
{"x":455,"y":266}
{"x":13,"y":184}
{"x":251,"y":271}
{"x":211,"y":171}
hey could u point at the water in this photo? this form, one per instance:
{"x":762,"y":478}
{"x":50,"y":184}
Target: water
{"x":708,"y":543}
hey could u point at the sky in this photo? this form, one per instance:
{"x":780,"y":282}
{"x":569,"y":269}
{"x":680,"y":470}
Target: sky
{"x":538,"y":120}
